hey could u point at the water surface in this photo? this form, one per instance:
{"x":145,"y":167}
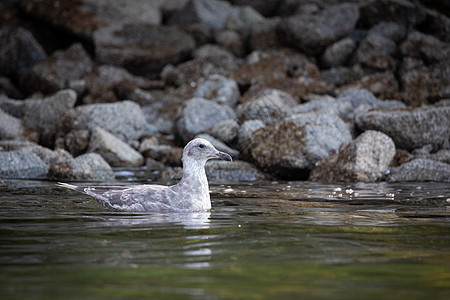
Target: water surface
{"x":264,"y":240}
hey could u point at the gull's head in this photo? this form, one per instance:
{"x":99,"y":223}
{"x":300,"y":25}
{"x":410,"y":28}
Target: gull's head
{"x":201,"y":150}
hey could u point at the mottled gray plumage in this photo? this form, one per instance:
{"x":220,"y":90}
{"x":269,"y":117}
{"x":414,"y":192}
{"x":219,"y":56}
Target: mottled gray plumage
{"x":190,"y":194}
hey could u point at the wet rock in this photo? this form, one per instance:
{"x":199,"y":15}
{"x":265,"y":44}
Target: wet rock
{"x":311,"y":33}
{"x":233,"y":171}
{"x":339,"y":53}
{"x":166,"y":154}
{"x":56,"y":71}
{"x":269,"y":106}
{"x":219,"y":89}
{"x":425,"y":47}
{"x":364,"y":159}
{"x":22,"y":163}
{"x":43,"y":115}
{"x":403,"y":12}
{"x":13,"y":128}
{"x":82,"y":18}
{"x":376,"y":52}
{"x":22,"y":52}
{"x":116,"y":152}
{"x":142,"y":49}
{"x":212,"y":13}
{"x":198,"y":115}
{"x":225,"y":131}
{"x":420,"y":169}
{"x":90,"y":166}
{"x":220,"y":145}
{"x":410,"y":128}
{"x":124,"y":119}
{"x":291,"y":147}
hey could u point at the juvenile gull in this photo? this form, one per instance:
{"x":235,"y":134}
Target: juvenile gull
{"x":191,"y":194}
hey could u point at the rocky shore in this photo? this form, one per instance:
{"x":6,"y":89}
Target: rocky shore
{"x":300,"y":90}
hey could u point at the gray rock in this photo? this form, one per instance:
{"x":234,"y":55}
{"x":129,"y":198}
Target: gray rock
{"x":123,"y":119}
{"x":211,"y":13}
{"x":382,"y":84}
{"x":21,"y":53}
{"x":339,"y":53}
{"x":390,"y":30}
{"x":11,"y":145}
{"x":420,"y":169}
{"x":142,"y":49}
{"x":90,"y":166}
{"x":342,"y":75}
{"x":12,"y":128}
{"x":82,"y":18}
{"x":8,"y":88}
{"x":56,"y":71}
{"x":116,"y":152}
{"x":311,"y":33}
{"x":291,"y":147}
{"x":410,"y":128}
{"x":198,"y":115}
{"x":364,"y":159}
{"x":425,"y":47}
{"x":225,"y":131}
{"x":269,"y":106}
{"x":43,"y":115}
{"x":376,"y":52}
{"x":166,"y":154}
{"x":245,"y":134}
{"x":263,"y":35}
{"x":234,"y":171}
{"x":220,"y":145}
{"x":22,"y":163}
{"x":219,"y":89}
{"x":231,"y":41}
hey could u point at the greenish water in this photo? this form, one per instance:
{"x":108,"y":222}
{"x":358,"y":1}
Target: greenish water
{"x":286,"y":240}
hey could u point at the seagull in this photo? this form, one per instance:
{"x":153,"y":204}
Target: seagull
{"x":190,"y":194}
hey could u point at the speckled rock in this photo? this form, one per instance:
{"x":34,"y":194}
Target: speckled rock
{"x":55,"y":72}
{"x":425,"y":47}
{"x":198,"y":115}
{"x":166,"y":154}
{"x":22,"y":163}
{"x":339,"y":53}
{"x":225,"y":131}
{"x":219,"y":89}
{"x":13,"y":128}
{"x":116,"y":152}
{"x":376,"y":51}
{"x":420,"y":169}
{"x":233,"y":171}
{"x":290,"y":148}
{"x":410,"y":128}
{"x":364,"y":159}
{"x":245,"y":134}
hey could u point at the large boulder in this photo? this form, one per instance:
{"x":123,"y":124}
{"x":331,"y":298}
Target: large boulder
{"x":220,"y":89}
{"x":291,"y":147}
{"x":364,"y":159}
{"x":233,"y":171}
{"x":55,"y":72}
{"x":311,"y":33}
{"x":115,"y":151}
{"x":410,"y":128}
{"x":90,"y":166}
{"x":198,"y":115}
{"x":124,"y":119}
{"x":420,"y":169}
{"x":142,"y":49}
{"x":22,"y":163}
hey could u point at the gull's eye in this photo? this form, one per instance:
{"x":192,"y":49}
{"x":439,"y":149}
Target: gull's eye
{"x":201,"y":146}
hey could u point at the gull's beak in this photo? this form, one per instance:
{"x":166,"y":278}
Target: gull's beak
{"x":223,"y":155}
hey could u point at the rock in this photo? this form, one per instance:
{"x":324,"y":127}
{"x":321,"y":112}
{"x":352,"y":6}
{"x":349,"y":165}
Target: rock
{"x":234,"y":171}
{"x":219,"y":89}
{"x":264,"y":7}
{"x":291,"y":147}
{"x":342,"y":75}
{"x":43,"y":115}
{"x":381,"y":84}
{"x":22,"y":52}
{"x":124,"y":119}
{"x":90,"y":166}
{"x":56,"y":71}
{"x":420,"y":169}
{"x":263,"y":35}
{"x":225,"y":131}
{"x":11,"y":145}
{"x":22,"y":163}
{"x":198,"y":115}
{"x":220,"y":145}
{"x":168,"y":155}
{"x":13,"y":128}
{"x":269,"y":106}
{"x":376,"y":52}
{"x":116,"y":152}
{"x":82,"y":18}
{"x":410,"y":128}
{"x":311,"y":33}
{"x":339,"y":53}
{"x":425,"y":47}
{"x":245,"y":134}
{"x":364,"y":159}
{"x":231,"y":41}
{"x":9,"y":89}
{"x":391,"y":30}
{"x":211,"y":13}
{"x":142,"y":49}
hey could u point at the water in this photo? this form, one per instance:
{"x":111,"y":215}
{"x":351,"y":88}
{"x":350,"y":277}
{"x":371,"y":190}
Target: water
{"x":266,"y":240}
